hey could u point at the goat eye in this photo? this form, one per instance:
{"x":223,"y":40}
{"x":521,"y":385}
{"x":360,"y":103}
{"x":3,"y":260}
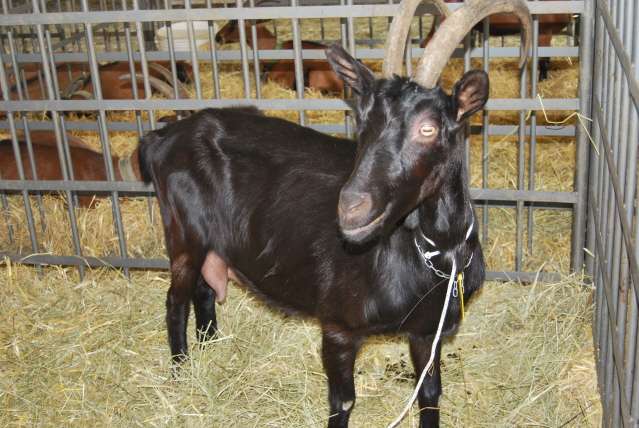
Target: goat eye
{"x":427,"y":130}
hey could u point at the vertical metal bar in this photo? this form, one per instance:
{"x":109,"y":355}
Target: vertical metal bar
{"x":132,"y":71}
{"x":611,"y":381}
{"x":172,"y":62}
{"x":370,"y":29}
{"x":194,"y":61}
{"x":484,"y":132}
{"x":299,"y":68}
{"x":215,"y":71}
{"x":104,"y":136}
{"x":51,"y":95}
{"x":56,"y":90}
{"x":6,"y":94}
{"x":256,"y":57}
{"x":532,"y":146}
{"x":143,"y":65}
{"x":620,"y":271}
{"x":592,"y":184}
{"x":593,"y":191}
{"x":118,"y":42}
{"x":244,"y":55}
{"x":520,"y":173}
{"x":25,"y":123}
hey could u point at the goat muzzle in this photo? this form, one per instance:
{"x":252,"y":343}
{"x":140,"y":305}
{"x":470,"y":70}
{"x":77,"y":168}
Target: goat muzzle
{"x":354,"y":209}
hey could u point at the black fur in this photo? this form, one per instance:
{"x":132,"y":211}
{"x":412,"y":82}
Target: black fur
{"x":263,"y":193}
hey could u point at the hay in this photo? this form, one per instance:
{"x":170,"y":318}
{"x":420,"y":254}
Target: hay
{"x":95,"y":353}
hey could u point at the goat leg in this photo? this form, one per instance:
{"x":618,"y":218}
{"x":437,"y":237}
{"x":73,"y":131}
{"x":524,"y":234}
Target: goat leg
{"x":178,"y":303}
{"x":339,"y":348}
{"x":428,"y":396}
{"x":204,"y":305}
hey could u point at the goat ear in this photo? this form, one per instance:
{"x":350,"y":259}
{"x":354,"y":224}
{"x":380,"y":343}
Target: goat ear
{"x":470,"y":94}
{"x":351,"y":71}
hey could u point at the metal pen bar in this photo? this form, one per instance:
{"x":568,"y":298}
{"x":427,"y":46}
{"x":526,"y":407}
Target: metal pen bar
{"x":104,"y":136}
{"x":277,"y":54}
{"x":16,"y":152}
{"x":607,"y":221}
{"x":256,"y":56}
{"x":244,"y":55}
{"x":194,"y":59}
{"x":614,"y":345}
{"x":485,"y":151}
{"x":25,"y":123}
{"x":47,"y":60}
{"x":132,"y":70}
{"x":620,"y":148}
{"x":324,"y":11}
{"x":299,"y":67}
{"x":532,"y":145}
{"x":333,"y":128}
{"x":65,"y":143}
{"x":171,"y":46}
{"x":270,"y":103}
{"x":155,"y":263}
{"x":520,"y":172}
{"x":621,"y":54}
{"x":602,"y":194}
{"x":215,"y":72}
{"x":614,"y":179}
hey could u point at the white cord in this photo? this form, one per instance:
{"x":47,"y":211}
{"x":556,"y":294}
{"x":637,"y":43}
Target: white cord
{"x":433,"y":348}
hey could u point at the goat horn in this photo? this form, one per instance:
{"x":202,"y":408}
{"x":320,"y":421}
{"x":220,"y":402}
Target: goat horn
{"x":162,"y":87}
{"x":158,"y":84}
{"x":440,"y":48}
{"x":168,"y":77}
{"x":81,"y":93}
{"x":398,"y":32}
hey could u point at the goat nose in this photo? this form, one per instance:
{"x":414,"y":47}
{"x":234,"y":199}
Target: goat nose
{"x":219,"y":39}
{"x":353,"y":208}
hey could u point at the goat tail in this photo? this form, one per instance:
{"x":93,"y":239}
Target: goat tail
{"x":144,"y":161}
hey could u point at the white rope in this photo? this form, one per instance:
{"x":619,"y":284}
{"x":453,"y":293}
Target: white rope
{"x":433,"y":348}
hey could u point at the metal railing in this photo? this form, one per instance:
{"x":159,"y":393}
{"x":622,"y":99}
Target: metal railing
{"x":70,"y":31}
{"x":612,"y":208}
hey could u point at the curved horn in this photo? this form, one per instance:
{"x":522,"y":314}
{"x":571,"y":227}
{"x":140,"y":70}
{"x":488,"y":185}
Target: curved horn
{"x":452,"y":31}
{"x":162,"y":87}
{"x":398,"y":32}
{"x":158,"y":84}
{"x":168,"y":77}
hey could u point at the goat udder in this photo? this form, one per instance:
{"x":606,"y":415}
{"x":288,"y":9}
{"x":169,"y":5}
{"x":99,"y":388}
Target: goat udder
{"x":216,"y":274}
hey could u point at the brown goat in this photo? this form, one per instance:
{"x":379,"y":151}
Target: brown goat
{"x":88,"y":164}
{"x":74,"y":80}
{"x":317,"y":73}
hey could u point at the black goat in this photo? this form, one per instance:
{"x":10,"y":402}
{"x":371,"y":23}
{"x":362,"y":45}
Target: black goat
{"x":342,"y":231}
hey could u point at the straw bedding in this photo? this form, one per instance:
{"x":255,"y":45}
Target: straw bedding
{"x":94,"y":352}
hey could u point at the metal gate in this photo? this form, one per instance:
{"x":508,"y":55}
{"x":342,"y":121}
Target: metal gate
{"x":612,"y":208}
{"x":90,"y":33}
